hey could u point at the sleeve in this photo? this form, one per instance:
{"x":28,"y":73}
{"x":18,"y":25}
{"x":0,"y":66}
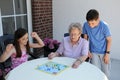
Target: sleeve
{"x":107,"y":31}
{"x":61,"y":48}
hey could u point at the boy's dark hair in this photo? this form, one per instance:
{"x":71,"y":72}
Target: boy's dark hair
{"x":92,"y":15}
{"x":17,"y":35}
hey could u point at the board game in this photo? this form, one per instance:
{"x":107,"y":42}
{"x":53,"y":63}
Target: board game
{"x":52,"y":67}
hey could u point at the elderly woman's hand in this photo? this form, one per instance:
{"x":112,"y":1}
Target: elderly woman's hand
{"x":76,"y":64}
{"x":52,"y":55}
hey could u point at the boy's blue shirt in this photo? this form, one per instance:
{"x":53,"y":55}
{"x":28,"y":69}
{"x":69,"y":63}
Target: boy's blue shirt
{"x":97,"y":36}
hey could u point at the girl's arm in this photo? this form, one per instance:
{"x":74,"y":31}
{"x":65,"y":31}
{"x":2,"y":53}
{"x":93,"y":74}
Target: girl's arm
{"x":40,"y":42}
{"x":7,"y":53}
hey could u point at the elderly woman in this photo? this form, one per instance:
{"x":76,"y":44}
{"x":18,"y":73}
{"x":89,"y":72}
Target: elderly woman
{"x":73,"y":46}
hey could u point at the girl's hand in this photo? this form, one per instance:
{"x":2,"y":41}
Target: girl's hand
{"x":7,"y":53}
{"x":9,"y":47}
{"x":34,"y":34}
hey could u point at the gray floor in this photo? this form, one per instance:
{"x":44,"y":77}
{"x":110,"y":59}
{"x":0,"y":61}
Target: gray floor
{"x":115,"y":69}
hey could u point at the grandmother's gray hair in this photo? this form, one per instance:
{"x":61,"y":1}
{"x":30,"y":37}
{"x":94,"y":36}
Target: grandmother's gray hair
{"x":75,"y":25}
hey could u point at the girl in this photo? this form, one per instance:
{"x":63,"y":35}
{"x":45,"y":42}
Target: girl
{"x":19,"y":49}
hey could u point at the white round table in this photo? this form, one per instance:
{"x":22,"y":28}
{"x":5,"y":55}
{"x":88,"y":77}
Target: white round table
{"x":27,"y":71}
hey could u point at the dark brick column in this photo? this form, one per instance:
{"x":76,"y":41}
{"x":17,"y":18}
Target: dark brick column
{"x":42,"y":19}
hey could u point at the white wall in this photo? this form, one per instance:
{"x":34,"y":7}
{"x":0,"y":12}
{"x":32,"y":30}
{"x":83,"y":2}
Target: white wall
{"x":67,"y":11}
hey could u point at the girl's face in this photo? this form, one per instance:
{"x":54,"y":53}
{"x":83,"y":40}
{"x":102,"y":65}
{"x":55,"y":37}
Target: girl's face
{"x":74,"y":35}
{"x":23,"y":40}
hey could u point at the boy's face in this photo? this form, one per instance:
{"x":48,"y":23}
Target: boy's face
{"x":93,"y":23}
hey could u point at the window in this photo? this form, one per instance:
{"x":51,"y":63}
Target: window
{"x":13,"y":15}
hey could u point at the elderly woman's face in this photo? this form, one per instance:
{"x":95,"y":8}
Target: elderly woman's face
{"x":74,"y":35}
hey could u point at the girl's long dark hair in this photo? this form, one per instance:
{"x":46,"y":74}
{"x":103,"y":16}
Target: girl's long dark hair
{"x":17,"y":35}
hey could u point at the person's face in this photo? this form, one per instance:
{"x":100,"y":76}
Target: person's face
{"x":93,"y":23}
{"x":23,"y":40}
{"x":74,"y":35}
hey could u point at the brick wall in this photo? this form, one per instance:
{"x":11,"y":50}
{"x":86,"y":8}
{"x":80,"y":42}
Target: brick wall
{"x":42,"y":19}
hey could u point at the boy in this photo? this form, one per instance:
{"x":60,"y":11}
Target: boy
{"x":99,"y":36}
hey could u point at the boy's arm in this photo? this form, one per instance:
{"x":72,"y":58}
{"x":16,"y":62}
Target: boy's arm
{"x":86,"y":37}
{"x":106,"y":56}
{"x":109,"y":40}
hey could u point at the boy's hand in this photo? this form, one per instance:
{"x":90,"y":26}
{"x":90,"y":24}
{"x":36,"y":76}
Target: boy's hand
{"x":106,"y":58}
{"x":89,"y":55}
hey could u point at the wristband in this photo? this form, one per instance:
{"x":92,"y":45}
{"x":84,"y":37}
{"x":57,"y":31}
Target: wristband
{"x":108,"y":52}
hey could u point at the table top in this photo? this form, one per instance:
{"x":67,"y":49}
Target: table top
{"x":28,"y":71}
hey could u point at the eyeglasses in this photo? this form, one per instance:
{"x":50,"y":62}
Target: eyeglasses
{"x":75,"y":34}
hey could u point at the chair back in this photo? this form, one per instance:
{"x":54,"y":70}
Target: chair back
{"x":66,"y":34}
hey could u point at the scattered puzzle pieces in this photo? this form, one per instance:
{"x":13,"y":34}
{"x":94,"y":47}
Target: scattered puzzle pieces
{"x":52,"y":67}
